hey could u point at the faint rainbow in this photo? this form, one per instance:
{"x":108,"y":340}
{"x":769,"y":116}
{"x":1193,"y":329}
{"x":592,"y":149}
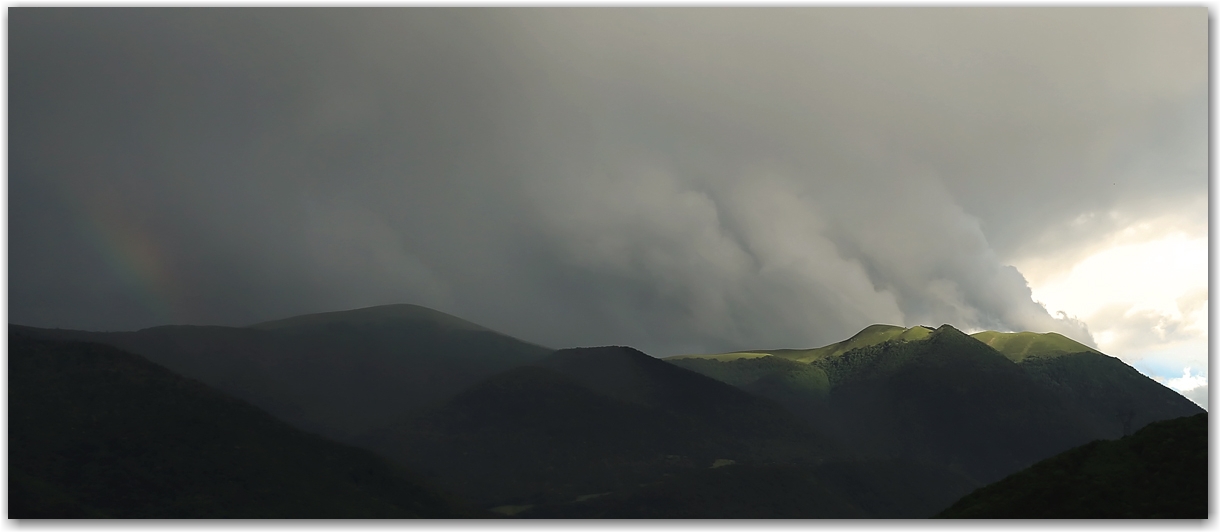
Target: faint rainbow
{"x":129,"y":251}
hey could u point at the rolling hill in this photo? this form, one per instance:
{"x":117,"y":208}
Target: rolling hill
{"x":95,"y":432}
{"x":1160,"y":472}
{"x":1018,"y":346}
{"x":591,"y":420}
{"x":337,"y":374}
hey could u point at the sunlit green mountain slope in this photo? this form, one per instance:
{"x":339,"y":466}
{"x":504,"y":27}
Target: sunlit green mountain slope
{"x":949,"y":398}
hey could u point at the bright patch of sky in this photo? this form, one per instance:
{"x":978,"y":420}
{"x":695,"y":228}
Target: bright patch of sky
{"x":1144,"y":298}
{"x":1188,"y":380}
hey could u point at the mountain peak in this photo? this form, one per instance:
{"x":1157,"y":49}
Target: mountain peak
{"x":877,"y":328}
{"x":619,"y":371}
{"x":948,"y":329}
{"x":602,"y":352}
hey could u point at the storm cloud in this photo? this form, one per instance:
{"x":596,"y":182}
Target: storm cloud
{"x":676,"y":180}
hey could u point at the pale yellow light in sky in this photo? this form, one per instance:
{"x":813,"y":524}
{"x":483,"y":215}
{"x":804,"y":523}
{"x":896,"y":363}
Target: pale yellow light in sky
{"x":1144,"y":301}
{"x":1150,"y":275}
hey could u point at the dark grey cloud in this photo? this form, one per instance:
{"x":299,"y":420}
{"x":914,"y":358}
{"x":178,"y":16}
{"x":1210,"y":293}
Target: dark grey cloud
{"x":670,"y":179}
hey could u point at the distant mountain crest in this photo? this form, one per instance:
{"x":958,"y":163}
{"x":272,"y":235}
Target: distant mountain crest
{"x":1017,"y":346}
{"x":871,"y":335}
{"x":338,"y":374}
{"x":618,"y":371}
{"x":379,"y":315}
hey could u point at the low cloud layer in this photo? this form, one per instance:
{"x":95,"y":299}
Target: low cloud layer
{"x":676,"y":180}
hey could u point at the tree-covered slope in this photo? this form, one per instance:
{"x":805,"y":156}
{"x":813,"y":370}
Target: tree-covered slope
{"x":1116,"y":398}
{"x":586,"y":421}
{"x":339,"y":373}
{"x":769,"y":376}
{"x":1158,"y":472}
{"x":531,"y":435}
{"x":722,"y":411}
{"x":947,"y":399}
{"x":97,"y":432}
{"x":950,"y":398}
{"x":835,"y":489}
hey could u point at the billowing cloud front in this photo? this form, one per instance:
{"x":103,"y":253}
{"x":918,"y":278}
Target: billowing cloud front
{"x":675,"y":180}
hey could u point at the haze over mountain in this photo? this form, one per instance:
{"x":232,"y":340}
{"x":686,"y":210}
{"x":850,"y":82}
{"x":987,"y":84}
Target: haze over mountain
{"x":338,"y":373}
{"x":677,"y":180}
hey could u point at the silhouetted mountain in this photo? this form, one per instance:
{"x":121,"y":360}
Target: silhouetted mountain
{"x":595,"y":420}
{"x":338,"y":374}
{"x":947,"y":398}
{"x":717,"y":412}
{"x":98,"y":432}
{"x":892,"y":422}
{"x":1157,"y":473}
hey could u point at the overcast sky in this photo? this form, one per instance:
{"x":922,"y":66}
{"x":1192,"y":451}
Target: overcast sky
{"x":672,"y":179}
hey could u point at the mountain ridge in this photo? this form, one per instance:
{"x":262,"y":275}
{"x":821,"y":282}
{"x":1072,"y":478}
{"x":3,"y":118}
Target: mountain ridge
{"x":377,"y":314}
{"x":537,"y":432}
{"x":98,"y":432}
{"x":614,"y":414}
{"x":1015,"y":345}
{"x":927,"y":396}
{"x":1019,"y":345}
{"x":337,"y":374}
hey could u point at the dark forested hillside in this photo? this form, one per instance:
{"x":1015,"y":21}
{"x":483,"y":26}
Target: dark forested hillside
{"x":338,"y":374}
{"x":588,"y":421}
{"x":98,"y":432}
{"x":835,"y":489}
{"x":1117,"y":398}
{"x":1157,"y":473}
